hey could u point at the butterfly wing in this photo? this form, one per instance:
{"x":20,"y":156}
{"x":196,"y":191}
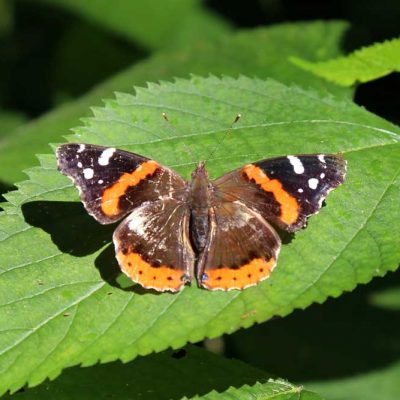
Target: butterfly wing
{"x":284,"y":190}
{"x":241,"y":249}
{"x":113,"y":182}
{"x":153,"y":247}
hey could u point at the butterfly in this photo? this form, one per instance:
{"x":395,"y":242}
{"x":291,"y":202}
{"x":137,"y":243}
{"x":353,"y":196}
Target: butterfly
{"x":220,"y":231}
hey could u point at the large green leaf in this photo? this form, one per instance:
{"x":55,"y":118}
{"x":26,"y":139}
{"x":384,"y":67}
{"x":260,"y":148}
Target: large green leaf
{"x":147,"y":22}
{"x":60,"y":301}
{"x":262,"y":52}
{"x":363,"y":65}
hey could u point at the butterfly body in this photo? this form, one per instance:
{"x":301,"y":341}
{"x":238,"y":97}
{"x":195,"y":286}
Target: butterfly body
{"x":200,"y":201}
{"x":217,"y":231}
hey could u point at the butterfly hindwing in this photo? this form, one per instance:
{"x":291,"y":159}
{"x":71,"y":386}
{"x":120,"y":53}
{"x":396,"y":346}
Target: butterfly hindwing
{"x":284,"y":190}
{"x":153,"y":247}
{"x":113,"y":182}
{"x":241,"y":250}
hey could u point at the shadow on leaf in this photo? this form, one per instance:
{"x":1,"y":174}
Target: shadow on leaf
{"x":75,"y":232}
{"x":71,"y":228}
{"x":4,"y":188}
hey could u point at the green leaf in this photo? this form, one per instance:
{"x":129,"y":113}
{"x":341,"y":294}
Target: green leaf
{"x":60,"y":287}
{"x":146,"y":22}
{"x":261,"y":52}
{"x":363,"y":65}
{"x":383,"y":384}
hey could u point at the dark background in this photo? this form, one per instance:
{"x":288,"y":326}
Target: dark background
{"x":44,"y":62}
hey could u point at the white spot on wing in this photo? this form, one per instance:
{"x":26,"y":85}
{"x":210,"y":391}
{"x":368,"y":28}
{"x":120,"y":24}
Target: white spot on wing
{"x":297,"y":164}
{"x":105,"y":156}
{"x":321,"y":158}
{"x":300,"y":190}
{"x":313,"y":183}
{"x":137,"y":223}
{"x":322,"y":176}
{"x":88,"y":173}
{"x":80,"y":165}
{"x":81,"y":148}
{"x":100,"y":181}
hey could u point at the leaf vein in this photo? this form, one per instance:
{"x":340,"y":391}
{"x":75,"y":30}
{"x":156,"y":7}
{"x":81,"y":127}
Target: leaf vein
{"x":50,"y":318}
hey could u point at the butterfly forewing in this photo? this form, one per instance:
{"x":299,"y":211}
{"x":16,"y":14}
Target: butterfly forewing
{"x":113,"y":182}
{"x":284,"y":190}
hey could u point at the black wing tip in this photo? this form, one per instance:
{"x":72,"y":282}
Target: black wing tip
{"x":64,"y":148}
{"x":340,"y":166}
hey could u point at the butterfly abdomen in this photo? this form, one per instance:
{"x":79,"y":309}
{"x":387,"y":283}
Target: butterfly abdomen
{"x":199,"y":203}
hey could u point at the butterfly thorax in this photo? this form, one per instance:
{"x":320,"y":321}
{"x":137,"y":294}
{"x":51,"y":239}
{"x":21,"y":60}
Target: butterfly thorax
{"x":199,"y":202}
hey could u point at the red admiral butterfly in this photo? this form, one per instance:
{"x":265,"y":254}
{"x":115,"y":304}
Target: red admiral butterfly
{"x":218,"y":231}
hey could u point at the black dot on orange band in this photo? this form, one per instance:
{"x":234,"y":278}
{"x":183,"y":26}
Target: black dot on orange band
{"x":154,"y":277}
{"x":130,"y":264}
{"x":249,"y":275}
{"x":261,"y":269}
{"x":169,"y":278}
{"x":140,"y":272}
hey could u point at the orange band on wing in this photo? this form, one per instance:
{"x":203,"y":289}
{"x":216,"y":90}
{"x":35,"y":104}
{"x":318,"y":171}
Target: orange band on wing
{"x":247,"y":275}
{"x":110,"y":198}
{"x":159,"y":278}
{"x":289,"y":205}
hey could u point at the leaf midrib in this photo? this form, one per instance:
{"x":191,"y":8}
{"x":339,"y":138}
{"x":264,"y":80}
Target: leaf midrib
{"x":253,"y":126}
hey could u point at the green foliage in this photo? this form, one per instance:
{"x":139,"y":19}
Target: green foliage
{"x":147,"y":22}
{"x":261,"y":52}
{"x":62,"y":282}
{"x":64,"y":302}
{"x":363,"y":65}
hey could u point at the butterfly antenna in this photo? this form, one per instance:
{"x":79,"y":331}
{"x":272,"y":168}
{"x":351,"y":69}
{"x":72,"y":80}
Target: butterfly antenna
{"x":187,"y":148}
{"x":227,"y":133}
